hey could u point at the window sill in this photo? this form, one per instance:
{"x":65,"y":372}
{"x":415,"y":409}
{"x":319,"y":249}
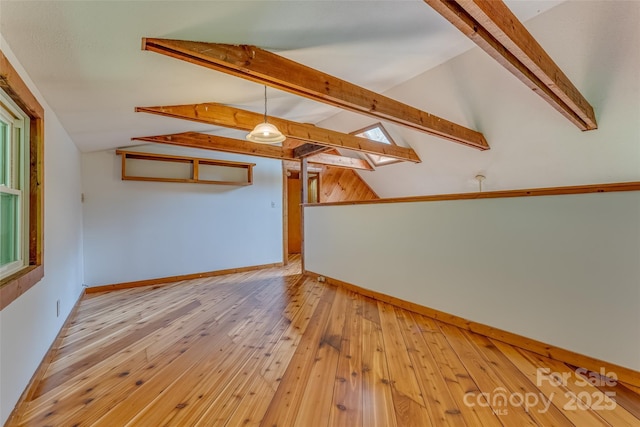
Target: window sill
{"x":18,"y":283}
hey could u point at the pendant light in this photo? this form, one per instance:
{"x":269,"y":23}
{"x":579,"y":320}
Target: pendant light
{"x":265,"y":133}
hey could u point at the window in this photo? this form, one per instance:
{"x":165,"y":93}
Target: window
{"x":22,"y":183}
{"x":377,"y":133}
{"x":13,"y":191}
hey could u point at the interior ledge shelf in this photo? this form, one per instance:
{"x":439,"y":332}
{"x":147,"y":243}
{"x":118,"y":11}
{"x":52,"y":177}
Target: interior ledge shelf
{"x":137,"y":166}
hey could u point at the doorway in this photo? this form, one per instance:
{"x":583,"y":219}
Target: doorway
{"x":294,"y":222}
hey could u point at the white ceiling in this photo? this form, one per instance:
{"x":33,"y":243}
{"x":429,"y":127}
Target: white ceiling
{"x":85,"y":56}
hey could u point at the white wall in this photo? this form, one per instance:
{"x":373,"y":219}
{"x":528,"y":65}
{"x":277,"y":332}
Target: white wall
{"x":532,"y":145}
{"x":136,"y":230}
{"x":29,"y":324}
{"x":564,"y":270}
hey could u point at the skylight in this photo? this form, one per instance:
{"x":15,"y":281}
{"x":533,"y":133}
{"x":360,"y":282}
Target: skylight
{"x":377,"y":133}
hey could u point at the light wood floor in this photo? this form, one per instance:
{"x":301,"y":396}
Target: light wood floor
{"x":272,"y":348}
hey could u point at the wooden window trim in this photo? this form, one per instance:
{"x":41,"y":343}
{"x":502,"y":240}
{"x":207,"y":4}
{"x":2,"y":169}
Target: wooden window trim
{"x":13,"y":286}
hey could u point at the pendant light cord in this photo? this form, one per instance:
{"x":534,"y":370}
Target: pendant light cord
{"x":265,"y":104}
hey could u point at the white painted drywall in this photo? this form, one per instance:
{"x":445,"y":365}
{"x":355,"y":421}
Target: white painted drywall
{"x":564,"y":270}
{"x":29,"y":324}
{"x":136,"y":230}
{"x":532,"y":145}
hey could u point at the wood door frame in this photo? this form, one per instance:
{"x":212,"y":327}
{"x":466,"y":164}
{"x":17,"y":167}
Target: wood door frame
{"x":285,"y":216}
{"x":285,"y":213}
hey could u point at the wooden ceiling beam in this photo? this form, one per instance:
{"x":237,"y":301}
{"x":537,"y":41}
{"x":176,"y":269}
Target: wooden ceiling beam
{"x":295,"y":166}
{"x":258,"y":65}
{"x":226,"y":116}
{"x":221,"y":143}
{"x":328,"y":159}
{"x":308,"y":149}
{"x":238,"y":146}
{"x":493,"y":27}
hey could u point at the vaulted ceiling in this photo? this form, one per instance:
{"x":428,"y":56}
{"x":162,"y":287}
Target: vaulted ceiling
{"x":86,"y":59}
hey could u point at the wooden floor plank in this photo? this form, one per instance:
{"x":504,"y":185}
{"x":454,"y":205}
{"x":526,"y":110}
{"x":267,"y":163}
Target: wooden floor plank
{"x":103,"y":396}
{"x":273,"y":348}
{"x":485,"y":376}
{"x":555,"y":393}
{"x":112,"y":348}
{"x":347,"y":392}
{"x":239,"y":392}
{"x":317,"y":398}
{"x":284,"y":406}
{"x":525,"y":394}
{"x":376,"y":385}
{"x":625,"y":397}
{"x":456,"y":376}
{"x":442,"y":408}
{"x":251,"y":410}
{"x":216,"y":372}
{"x":585,"y":396}
{"x":208,"y":379}
{"x":284,"y":350}
{"x":408,"y":400}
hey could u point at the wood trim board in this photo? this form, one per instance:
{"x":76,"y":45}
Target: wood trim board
{"x":172,"y":279}
{"x":532,"y":192}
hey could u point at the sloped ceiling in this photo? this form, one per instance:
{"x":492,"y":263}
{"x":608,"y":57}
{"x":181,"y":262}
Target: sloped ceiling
{"x":595,"y":43}
{"x":86,"y":60}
